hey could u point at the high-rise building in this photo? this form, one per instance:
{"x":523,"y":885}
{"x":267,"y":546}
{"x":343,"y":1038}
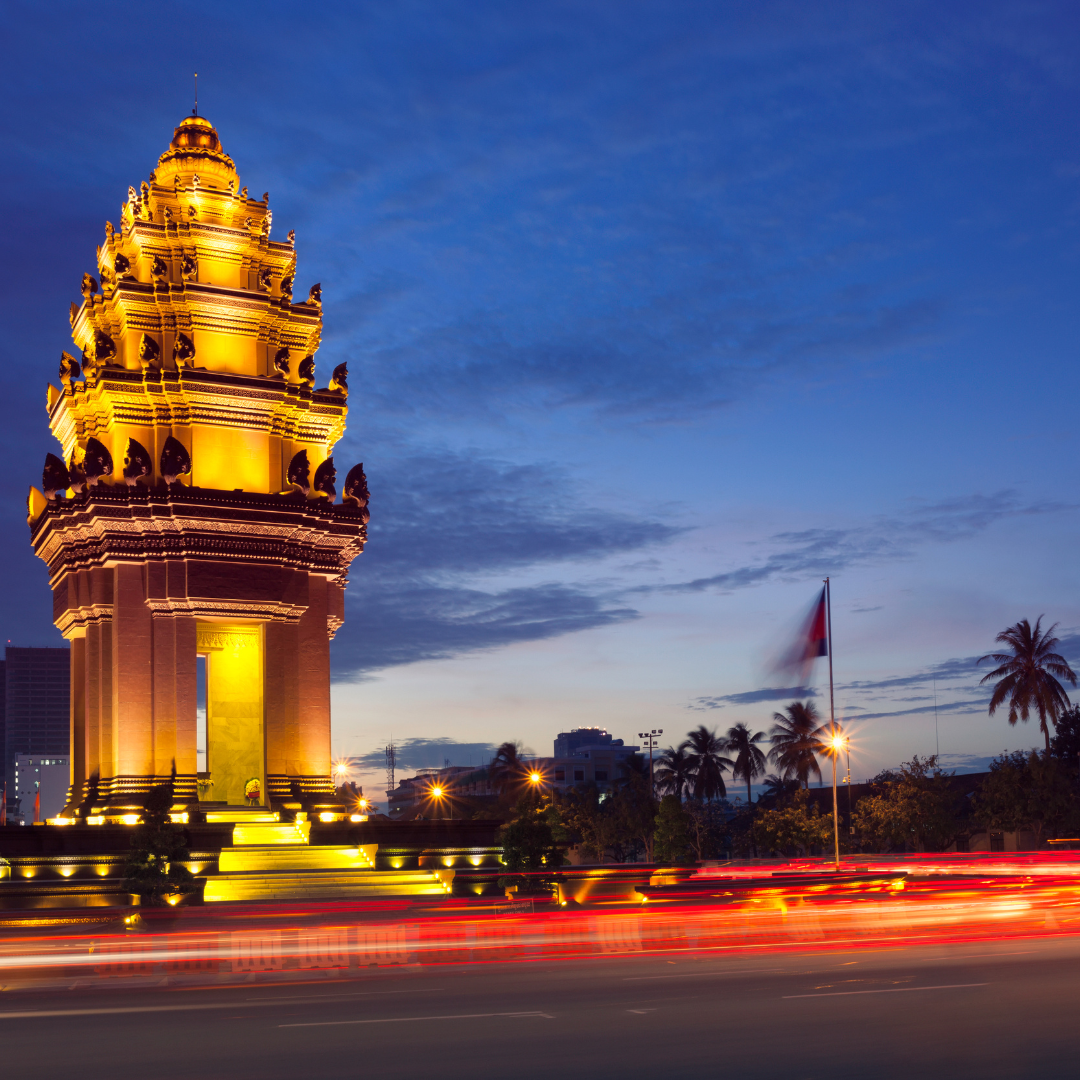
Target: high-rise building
{"x":36,"y":697}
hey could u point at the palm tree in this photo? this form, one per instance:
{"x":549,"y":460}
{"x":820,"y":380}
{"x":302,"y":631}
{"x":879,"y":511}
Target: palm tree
{"x":506,"y":769}
{"x":749,"y":760}
{"x":794,"y":738}
{"x":706,"y":755}
{"x":675,"y":770}
{"x":778,"y":788}
{"x":1027,"y":675}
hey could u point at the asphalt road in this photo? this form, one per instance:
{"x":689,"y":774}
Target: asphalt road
{"x":987,"y":1010}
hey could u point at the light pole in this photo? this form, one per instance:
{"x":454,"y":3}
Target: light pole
{"x":847,"y":780}
{"x":651,"y":741}
{"x":836,"y":742}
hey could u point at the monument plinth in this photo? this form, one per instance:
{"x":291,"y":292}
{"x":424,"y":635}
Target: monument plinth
{"x":193,"y":511}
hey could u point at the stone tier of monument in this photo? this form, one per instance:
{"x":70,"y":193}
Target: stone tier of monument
{"x":192,"y":510}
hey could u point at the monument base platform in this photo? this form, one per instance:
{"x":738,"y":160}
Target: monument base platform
{"x":244,"y":859}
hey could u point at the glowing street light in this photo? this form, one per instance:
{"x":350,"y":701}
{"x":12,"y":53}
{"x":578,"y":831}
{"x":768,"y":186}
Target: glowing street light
{"x":834,"y":745}
{"x":535,"y":778}
{"x":438,"y":792}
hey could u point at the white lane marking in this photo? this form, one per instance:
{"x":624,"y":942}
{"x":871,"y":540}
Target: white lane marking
{"x":972,"y":956}
{"x":699,"y":974}
{"x":312,"y":999}
{"x":891,"y":990}
{"x":641,"y":1012}
{"x":134,"y":1009}
{"x":411,"y":1019}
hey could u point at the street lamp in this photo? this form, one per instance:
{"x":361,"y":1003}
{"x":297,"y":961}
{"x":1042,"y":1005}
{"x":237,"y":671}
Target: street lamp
{"x":438,"y":792}
{"x":651,"y":741}
{"x":835,"y":744}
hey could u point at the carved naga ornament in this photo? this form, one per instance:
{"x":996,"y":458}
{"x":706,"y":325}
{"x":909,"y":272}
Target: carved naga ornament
{"x":137,"y":464}
{"x":175,"y":460}
{"x":325,"y":475}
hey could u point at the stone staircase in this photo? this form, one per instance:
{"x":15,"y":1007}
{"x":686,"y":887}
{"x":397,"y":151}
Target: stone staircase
{"x":273,"y":860}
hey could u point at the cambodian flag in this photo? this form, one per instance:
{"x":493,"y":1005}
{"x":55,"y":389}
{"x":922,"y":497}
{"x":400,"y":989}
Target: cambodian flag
{"x":812,"y":642}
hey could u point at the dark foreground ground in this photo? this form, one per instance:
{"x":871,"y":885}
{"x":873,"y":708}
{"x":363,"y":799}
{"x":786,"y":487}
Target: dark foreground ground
{"x":978,"y":1010}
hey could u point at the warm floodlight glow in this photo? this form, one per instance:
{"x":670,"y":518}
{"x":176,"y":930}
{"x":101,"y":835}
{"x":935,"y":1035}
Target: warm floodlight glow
{"x":535,"y":778}
{"x":436,"y":792}
{"x":341,"y":768}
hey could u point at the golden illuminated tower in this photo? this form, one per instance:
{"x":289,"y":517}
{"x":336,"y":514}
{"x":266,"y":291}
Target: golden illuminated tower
{"x":193,"y":511}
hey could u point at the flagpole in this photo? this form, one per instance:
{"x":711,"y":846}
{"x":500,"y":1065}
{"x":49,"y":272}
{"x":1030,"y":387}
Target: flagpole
{"x":832,"y":723}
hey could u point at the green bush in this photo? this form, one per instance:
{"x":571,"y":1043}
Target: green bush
{"x":671,"y":838}
{"x":153,"y":869}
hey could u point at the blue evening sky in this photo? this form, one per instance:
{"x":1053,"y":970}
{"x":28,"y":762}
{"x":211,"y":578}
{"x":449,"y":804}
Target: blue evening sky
{"x":655,"y":314}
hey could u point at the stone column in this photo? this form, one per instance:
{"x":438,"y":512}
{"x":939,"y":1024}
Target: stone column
{"x":163,"y":663}
{"x":78,"y":719}
{"x":132,"y":689}
{"x":282,"y":698}
{"x":314,"y":713}
{"x":187,"y":696}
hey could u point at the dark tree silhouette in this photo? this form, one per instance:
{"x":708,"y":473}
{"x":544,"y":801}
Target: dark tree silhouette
{"x":749,"y":758}
{"x":675,"y":770}
{"x":507,"y":771}
{"x":1028,"y":676}
{"x":778,"y":789}
{"x":794,"y":738}
{"x":707,"y":754}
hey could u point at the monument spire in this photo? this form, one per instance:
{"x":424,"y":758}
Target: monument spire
{"x":192,"y":509}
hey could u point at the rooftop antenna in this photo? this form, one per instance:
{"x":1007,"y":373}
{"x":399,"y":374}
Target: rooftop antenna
{"x":195,"y":111}
{"x":391,"y":761}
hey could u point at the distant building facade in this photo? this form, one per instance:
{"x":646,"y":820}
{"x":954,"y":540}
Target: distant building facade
{"x":583,"y":757}
{"x":414,"y":796}
{"x":36,"y":710}
{"x":586,"y":756}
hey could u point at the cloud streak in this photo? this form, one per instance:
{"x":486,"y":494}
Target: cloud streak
{"x":428,"y":753}
{"x":444,"y":526}
{"x":823,"y":552}
{"x":752,"y":697}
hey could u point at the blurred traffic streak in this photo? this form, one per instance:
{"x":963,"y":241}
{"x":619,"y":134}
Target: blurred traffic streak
{"x":731,"y":913}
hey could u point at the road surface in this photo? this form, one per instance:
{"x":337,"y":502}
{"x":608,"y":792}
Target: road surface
{"x":980,"y":1010}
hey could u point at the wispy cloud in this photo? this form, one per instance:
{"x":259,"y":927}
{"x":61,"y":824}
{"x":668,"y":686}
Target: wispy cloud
{"x":395,"y":622}
{"x":429,"y":753}
{"x":443,"y":527}
{"x":821,"y":552}
{"x":948,"y":671}
{"x":752,"y":697}
{"x":972,"y":707}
